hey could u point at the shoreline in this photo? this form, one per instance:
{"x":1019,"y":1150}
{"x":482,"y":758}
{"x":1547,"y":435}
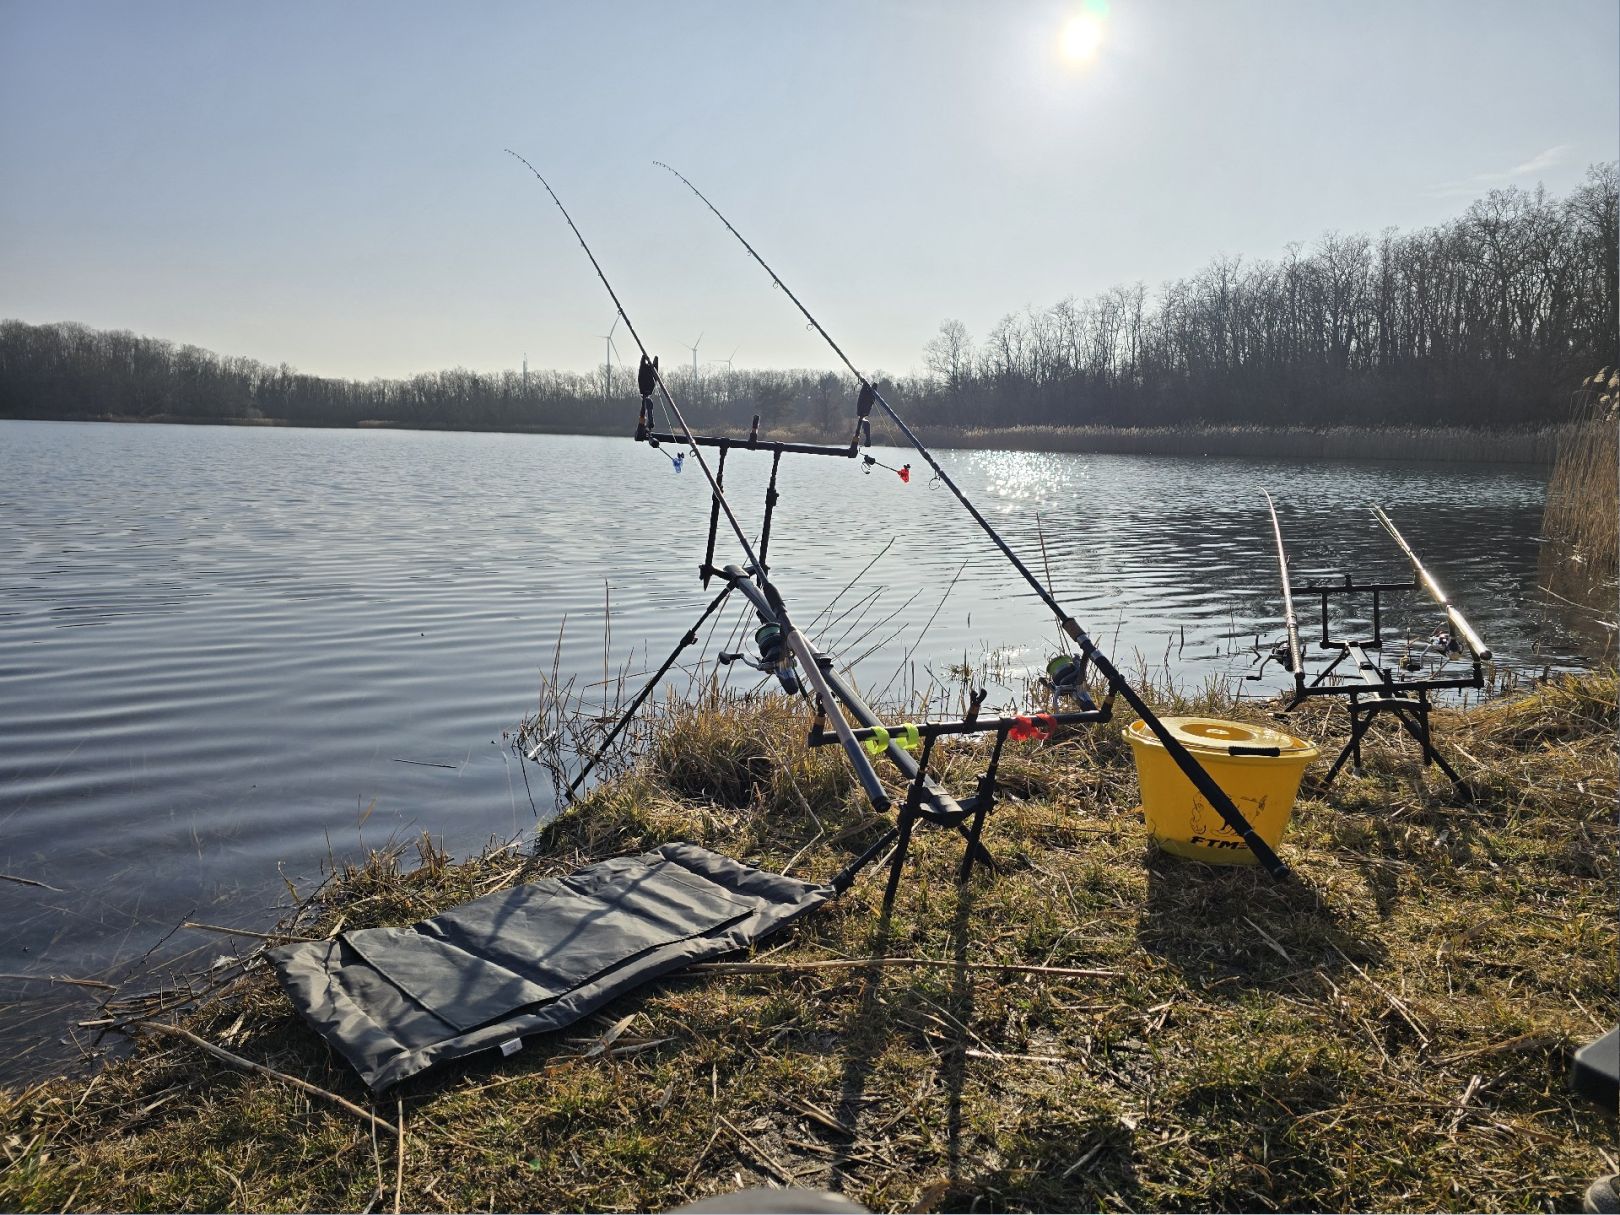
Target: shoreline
{"x":1536,"y":446}
{"x":1391,"y":1027}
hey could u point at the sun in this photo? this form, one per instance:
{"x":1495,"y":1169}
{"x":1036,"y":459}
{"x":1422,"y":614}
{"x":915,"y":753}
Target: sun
{"x":1082,"y":36}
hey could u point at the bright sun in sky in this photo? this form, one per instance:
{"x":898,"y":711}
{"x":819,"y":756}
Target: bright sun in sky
{"x":1082,"y":35}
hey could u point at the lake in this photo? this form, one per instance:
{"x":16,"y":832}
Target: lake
{"x":228,"y":655}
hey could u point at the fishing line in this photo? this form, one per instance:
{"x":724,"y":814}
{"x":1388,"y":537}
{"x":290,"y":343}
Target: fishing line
{"x":1070,"y":625}
{"x":649,"y":363}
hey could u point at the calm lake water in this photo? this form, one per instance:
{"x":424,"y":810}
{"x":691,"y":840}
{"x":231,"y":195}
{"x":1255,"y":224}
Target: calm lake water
{"x":227,"y":654}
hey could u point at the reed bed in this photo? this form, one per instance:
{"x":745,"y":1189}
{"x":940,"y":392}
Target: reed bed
{"x":1095,"y":1025}
{"x":1583,"y":495}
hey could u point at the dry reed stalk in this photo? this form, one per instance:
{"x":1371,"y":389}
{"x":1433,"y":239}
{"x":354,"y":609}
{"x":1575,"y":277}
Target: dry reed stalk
{"x":1581,"y":494}
{"x":71,"y":982}
{"x":399,"y":1160}
{"x":243,"y":932}
{"x":22,"y":881}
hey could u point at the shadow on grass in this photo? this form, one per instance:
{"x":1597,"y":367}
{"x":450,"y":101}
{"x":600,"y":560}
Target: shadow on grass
{"x":864,"y":1035}
{"x":1232,"y":928}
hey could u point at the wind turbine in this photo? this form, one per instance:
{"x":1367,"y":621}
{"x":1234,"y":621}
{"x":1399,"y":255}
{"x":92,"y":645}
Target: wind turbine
{"x":727,"y":360}
{"x":607,"y":383}
{"x":693,"y":348}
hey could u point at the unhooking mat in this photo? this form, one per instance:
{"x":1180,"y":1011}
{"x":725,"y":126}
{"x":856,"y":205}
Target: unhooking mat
{"x":396,"y":1001}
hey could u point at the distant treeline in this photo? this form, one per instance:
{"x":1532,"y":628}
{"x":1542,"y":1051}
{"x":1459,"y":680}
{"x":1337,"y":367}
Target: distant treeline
{"x":72,"y":371}
{"x":1487,"y":321}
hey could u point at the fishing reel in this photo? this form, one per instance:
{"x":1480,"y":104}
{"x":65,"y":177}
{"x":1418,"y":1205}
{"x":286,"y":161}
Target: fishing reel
{"x":773,"y":659}
{"x":1279,"y":654}
{"x":1066,"y":675}
{"x":1442,"y":643}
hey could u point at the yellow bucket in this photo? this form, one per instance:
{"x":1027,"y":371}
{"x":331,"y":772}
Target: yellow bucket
{"x":1262,"y":780}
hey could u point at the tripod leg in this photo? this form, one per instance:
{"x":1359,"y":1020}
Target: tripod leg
{"x":1358,"y":727}
{"x":975,"y":850}
{"x":1355,"y":735}
{"x":902,"y":844}
{"x":1328,"y":670}
{"x":908,"y":818}
{"x":986,"y":798}
{"x":846,"y":877}
{"x":1420,"y":731}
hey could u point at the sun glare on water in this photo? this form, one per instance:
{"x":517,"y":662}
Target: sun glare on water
{"x":1083,"y":34}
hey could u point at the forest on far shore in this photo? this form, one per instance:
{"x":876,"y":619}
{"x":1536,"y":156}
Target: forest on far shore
{"x":1489,"y":321}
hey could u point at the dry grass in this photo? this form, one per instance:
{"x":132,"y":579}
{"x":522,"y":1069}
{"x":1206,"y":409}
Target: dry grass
{"x":1392,"y":1032}
{"x":1581,"y":496}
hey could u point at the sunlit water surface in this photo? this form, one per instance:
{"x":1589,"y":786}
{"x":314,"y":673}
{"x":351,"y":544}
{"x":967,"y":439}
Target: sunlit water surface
{"x":230,"y":654}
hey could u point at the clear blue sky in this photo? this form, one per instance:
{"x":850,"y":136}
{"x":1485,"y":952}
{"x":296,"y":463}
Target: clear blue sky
{"x":323,"y":183}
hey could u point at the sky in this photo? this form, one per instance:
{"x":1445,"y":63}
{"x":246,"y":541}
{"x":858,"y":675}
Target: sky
{"x":324,"y":184}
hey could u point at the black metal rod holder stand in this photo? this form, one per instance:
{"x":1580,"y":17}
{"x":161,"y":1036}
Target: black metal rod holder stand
{"x":1373,"y":689}
{"x":753,"y":443}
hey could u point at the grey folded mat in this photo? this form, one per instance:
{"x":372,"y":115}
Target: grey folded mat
{"x":396,"y":1001}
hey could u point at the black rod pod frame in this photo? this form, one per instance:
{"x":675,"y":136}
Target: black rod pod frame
{"x":784,"y":649}
{"x":1376,"y":687}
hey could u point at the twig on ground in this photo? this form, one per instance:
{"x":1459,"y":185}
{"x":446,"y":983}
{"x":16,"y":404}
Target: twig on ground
{"x":61,"y":979}
{"x":760,"y":1156}
{"x":22,"y":881}
{"x":1269,"y":940}
{"x":244,"y":932}
{"x":399,"y":1158}
{"x":235,"y":1060}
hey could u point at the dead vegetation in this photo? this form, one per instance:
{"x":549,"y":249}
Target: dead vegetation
{"x":1581,"y":494}
{"x":1390,"y":1032}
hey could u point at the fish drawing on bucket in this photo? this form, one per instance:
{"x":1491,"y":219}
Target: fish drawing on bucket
{"x":1203,"y":828}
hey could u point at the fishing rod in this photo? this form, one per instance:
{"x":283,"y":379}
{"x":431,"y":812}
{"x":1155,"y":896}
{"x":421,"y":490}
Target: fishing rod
{"x":1295,"y":667}
{"x":648,"y":364}
{"x":768,"y":602}
{"x":1462,"y":627}
{"x":1183,"y":759}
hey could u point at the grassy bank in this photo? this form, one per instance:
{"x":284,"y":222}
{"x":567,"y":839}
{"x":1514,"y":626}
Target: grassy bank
{"x":1391,"y":1032}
